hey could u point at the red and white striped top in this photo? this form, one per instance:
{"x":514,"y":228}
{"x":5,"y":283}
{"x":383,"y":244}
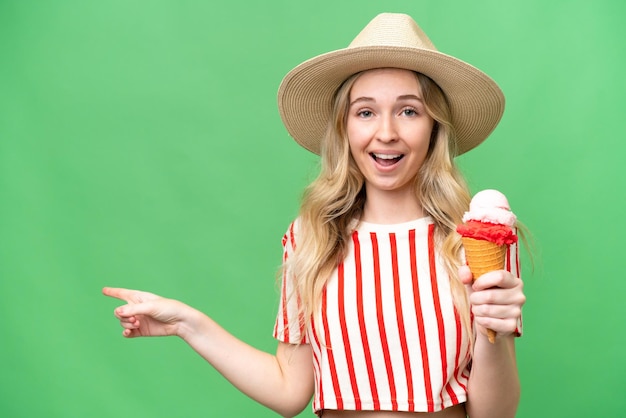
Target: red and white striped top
{"x":387,"y":335}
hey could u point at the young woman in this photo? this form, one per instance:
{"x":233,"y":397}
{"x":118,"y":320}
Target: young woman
{"x":378,"y":314}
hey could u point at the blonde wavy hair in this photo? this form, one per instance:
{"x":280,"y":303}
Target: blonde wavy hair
{"x":336,"y":198}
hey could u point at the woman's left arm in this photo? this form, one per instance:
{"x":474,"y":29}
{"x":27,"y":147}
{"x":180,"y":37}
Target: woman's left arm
{"x":496,"y":299}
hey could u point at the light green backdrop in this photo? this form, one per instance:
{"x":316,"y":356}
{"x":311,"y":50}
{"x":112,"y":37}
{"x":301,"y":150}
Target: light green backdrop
{"x":140,"y":146}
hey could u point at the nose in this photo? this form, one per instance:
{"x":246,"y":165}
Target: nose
{"x":387,"y":131}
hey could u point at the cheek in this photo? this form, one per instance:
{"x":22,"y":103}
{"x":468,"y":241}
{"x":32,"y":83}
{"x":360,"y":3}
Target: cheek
{"x":423,"y":135}
{"x":355,"y":137}
{"x":352,"y":140}
{"x":357,"y":128}
{"x":351,"y":131}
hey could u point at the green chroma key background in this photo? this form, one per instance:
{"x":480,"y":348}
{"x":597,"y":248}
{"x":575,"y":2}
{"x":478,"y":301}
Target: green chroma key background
{"x":140,"y":146}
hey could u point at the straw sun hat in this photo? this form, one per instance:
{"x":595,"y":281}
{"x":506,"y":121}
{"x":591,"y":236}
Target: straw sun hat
{"x":390,"y":40}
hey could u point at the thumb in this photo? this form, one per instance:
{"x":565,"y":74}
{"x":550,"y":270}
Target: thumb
{"x":132,"y":309}
{"x":465,"y":275}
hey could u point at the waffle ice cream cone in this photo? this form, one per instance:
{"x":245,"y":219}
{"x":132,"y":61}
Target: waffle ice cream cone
{"x":483,"y":256}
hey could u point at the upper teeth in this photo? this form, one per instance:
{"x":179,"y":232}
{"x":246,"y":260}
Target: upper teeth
{"x":387,"y":156}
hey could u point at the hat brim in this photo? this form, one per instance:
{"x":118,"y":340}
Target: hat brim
{"x":306,"y":93}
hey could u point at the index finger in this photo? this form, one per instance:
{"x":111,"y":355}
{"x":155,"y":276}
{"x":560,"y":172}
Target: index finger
{"x":496,"y":278}
{"x":119,"y":293}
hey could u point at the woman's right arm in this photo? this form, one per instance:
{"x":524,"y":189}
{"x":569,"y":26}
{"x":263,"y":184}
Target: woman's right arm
{"x":282,"y":382}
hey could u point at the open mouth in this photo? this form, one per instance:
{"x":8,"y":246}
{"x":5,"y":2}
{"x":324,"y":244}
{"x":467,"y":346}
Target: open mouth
{"x":386,"y":160}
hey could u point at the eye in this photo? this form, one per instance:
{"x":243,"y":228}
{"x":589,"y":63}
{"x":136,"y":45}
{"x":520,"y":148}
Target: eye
{"x":409,"y":111}
{"x":364,"y":113}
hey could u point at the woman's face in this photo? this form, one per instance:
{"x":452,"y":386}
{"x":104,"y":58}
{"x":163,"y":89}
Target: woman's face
{"x":388,"y":129}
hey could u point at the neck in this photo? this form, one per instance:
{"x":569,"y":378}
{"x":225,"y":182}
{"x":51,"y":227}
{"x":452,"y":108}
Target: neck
{"x":390,"y":207}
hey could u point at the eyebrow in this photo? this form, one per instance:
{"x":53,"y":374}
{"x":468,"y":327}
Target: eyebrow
{"x":402,"y":97}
